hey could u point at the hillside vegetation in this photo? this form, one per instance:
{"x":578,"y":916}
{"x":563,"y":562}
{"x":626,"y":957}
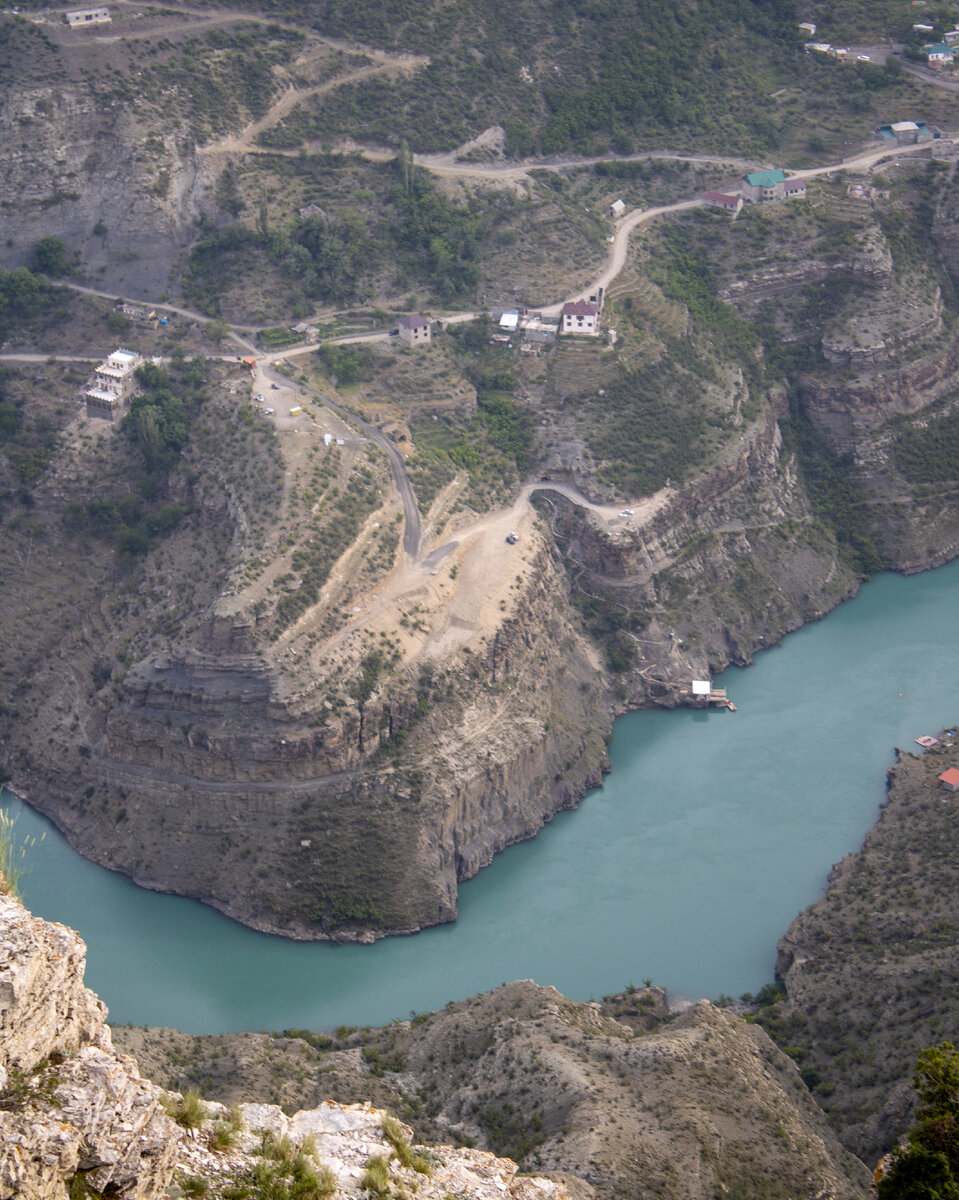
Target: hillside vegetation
{"x":871,"y":970}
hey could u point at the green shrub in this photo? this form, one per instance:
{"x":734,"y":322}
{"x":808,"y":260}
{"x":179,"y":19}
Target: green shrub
{"x":188,"y":1110}
{"x":376,"y":1177}
{"x":393,"y":1132}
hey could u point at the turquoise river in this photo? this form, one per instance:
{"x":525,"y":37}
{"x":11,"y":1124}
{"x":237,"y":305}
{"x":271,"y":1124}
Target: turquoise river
{"x":711,"y":833}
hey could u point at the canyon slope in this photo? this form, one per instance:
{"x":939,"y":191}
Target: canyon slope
{"x":617,"y":1098}
{"x":870,"y":969}
{"x":277,"y":653}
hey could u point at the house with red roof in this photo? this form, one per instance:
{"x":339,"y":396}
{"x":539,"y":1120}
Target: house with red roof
{"x":729,"y":204}
{"x":950,"y":780}
{"x":581,"y":316}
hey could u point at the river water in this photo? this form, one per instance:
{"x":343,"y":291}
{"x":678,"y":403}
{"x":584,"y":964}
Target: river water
{"x":711,"y":833}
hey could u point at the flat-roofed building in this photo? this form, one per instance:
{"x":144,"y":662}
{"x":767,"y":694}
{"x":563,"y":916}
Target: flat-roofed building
{"x":112,"y":385}
{"x":79,"y":17}
{"x":905,"y":133}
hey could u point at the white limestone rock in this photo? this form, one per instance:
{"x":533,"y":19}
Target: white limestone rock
{"x":69,"y":1102}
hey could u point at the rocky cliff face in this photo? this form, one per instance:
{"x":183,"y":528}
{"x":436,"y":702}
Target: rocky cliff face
{"x":77,"y":1119}
{"x":721,"y":570}
{"x":303,"y":820}
{"x":870,"y":969}
{"x":220,"y":779}
{"x":78,"y":160}
{"x":69,"y":1104}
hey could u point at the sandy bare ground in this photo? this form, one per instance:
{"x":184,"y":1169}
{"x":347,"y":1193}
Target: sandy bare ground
{"x":464,"y":586}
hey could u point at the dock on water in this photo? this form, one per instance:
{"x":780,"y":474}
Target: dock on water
{"x":703,"y":695}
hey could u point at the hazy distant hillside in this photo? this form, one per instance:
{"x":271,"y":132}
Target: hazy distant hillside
{"x":563,"y":75}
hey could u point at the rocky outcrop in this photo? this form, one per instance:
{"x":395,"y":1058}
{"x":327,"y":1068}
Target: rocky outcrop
{"x":844,"y":411}
{"x":622,"y":1097}
{"x":85,"y":165}
{"x":301,"y":819}
{"x":69,"y":1104}
{"x":76,"y":1118}
{"x":343,"y":1140}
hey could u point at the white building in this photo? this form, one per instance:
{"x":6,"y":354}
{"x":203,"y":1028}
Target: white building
{"x":414,"y":330}
{"x":581,"y":316}
{"x":938,"y":53}
{"x":112,"y":385}
{"x":87,"y":16}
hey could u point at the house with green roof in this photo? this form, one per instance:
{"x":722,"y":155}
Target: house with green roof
{"x":760,"y":186}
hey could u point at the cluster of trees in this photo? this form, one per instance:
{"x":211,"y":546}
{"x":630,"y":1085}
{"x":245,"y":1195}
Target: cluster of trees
{"x":927,"y":1167}
{"x":929,"y":453}
{"x":346,"y":364}
{"x":838,"y":498}
{"x":26,"y":296}
{"x":605,"y":71}
{"x":11,"y":413}
{"x":418,"y":233}
{"x":27,"y":445}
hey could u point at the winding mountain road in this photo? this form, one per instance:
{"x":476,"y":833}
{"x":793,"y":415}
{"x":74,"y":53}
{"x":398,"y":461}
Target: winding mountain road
{"x":412,"y":535}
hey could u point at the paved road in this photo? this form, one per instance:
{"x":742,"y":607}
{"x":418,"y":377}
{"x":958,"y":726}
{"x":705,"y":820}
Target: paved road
{"x":412,"y":529}
{"x":43,"y":358}
{"x":412,"y":535}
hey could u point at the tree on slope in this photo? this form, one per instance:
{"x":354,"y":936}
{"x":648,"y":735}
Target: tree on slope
{"x":927,"y":1168}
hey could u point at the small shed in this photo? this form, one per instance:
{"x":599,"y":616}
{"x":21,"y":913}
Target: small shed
{"x":702,"y":687}
{"x":617,"y":208}
{"x":950,"y":780}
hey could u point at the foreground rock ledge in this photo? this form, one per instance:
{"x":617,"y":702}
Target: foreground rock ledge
{"x":71,"y":1106}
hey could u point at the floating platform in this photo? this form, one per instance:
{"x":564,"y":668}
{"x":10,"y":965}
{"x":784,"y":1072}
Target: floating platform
{"x":714,"y":698}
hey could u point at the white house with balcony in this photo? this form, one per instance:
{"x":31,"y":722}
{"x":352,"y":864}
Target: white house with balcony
{"x":112,"y":385}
